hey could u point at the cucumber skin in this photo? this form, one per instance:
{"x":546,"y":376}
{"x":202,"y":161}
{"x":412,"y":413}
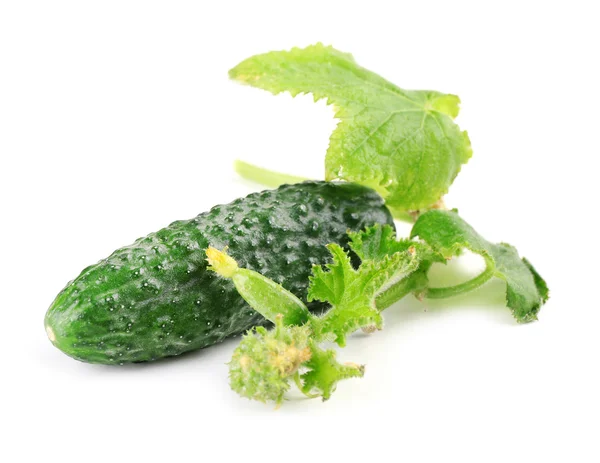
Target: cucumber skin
{"x":156,"y":298}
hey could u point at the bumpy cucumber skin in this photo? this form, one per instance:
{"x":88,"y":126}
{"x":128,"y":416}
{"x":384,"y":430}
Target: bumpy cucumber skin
{"x":156,"y":298}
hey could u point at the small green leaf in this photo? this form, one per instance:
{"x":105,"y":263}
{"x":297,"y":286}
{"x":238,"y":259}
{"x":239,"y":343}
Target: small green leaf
{"x":325,"y":372}
{"x":526,"y":291}
{"x":377,"y":242}
{"x":352,"y":293}
{"x":402,"y":143}
{"x":448,"y":234}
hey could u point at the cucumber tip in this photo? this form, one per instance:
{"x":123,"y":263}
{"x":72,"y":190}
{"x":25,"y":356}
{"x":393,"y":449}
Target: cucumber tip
{"x":50,"y":333}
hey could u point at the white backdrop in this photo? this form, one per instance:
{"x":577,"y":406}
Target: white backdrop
{"x":117,"y":118}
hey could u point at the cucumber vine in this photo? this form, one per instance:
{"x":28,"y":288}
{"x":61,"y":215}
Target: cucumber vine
{"x":267,"y":360}
{"x":406,"y":146}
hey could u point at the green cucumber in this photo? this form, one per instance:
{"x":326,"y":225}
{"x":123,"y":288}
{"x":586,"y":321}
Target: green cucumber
{"x":155,"y":298}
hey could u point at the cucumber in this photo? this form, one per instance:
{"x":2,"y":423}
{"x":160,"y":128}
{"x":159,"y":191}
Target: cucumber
{"x":155,"y":298}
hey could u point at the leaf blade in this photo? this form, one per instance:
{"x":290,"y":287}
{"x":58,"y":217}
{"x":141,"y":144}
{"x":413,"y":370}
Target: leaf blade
{"x":448,"y":234}
{"x":402,"y":143}
{"x":352,"y":293}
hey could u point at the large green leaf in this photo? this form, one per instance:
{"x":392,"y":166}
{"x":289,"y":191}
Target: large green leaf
{"x":402,"y":143}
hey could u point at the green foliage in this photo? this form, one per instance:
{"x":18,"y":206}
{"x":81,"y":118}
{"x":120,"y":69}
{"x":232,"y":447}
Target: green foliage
{"x":448,"y":234}
{"x":265,"y":361}
{"x":352,"y":293}
{"x":406,"y":146}
{"x":402,"y":143}
{"x":325,"y":372}
{"x":378,"y":241}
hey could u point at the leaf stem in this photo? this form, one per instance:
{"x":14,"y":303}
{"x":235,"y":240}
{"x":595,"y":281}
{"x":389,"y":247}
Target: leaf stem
{"x":451,"y":291}
{"x":417,"y":281}
{"x":264,"y":176}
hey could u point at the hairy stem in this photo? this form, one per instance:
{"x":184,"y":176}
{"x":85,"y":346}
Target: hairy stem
{"x":474,"y":283}
{"x":264,"y":176}
{"x":417,"y":281}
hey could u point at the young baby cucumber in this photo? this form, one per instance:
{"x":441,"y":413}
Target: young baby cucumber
{"x":156,"y":298}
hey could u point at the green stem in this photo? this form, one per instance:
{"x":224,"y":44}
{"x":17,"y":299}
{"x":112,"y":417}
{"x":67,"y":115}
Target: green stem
{"x":417,"y":281}
{"x":264,"y":176}
{"x":451,"y":291}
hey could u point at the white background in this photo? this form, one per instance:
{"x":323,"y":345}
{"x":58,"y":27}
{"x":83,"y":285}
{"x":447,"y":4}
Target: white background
{"x":117,"y":117}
